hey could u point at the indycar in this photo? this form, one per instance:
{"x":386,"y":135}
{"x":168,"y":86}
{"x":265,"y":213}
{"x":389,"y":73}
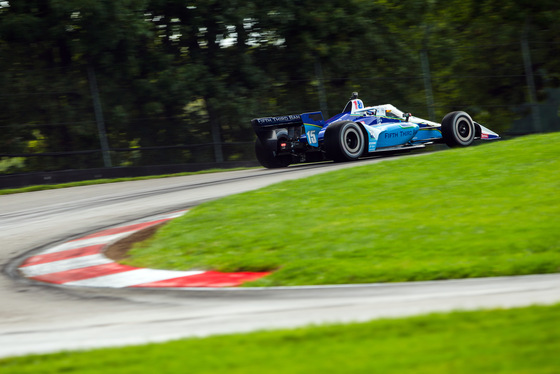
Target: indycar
{"x":356,"y":132}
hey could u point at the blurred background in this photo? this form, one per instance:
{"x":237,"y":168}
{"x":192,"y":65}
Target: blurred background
{"x":115,"y":83}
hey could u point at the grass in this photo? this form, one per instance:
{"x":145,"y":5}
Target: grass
{"x":43,"y":187}
{"x":490,"y":210}
{"x":523,"y":340}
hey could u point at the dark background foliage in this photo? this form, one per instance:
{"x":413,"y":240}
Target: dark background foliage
{"x":179,"y":81}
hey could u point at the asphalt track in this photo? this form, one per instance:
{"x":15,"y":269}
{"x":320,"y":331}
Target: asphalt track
{"x":37,"y":317}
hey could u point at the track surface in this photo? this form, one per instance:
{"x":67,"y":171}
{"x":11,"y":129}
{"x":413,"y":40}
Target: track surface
{"x":37,"y":318}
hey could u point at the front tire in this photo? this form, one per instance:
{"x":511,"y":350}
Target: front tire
{"x":458,"y":129}
{"x":344,"y":141}
{"x":268,"y":158}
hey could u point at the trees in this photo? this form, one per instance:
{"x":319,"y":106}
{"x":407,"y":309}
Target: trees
{"x":478,"y":59}
{"x":47,"y":48}
{"x":172,"y":72}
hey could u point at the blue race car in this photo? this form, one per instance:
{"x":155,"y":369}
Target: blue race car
{"x":357,"y":131}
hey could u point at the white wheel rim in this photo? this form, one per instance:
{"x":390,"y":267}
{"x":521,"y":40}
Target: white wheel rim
{"x":351,"y":141}
{"x":463,"y":129}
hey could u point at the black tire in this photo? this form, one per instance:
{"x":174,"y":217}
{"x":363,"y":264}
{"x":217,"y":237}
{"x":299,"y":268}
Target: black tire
{"x":267,"y":156}
{"x":344,"y":141}
{"x":458,"y":129}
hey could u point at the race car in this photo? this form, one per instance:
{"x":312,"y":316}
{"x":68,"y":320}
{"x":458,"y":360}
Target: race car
{"x":356,"y":132}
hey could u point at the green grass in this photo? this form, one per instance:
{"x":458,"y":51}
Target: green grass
{"x":523,"y":340}
{"x":482,"y":211}
{"x":43,"y":187}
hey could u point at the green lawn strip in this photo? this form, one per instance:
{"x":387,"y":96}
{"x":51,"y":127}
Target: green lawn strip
{"x":482,"y":211}
{"x":522,"y":340}
{"x":44,"y":187}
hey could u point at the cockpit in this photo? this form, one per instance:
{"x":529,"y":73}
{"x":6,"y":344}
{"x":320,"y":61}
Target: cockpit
{"x":356,"y":107}
{"x":386,"y":110}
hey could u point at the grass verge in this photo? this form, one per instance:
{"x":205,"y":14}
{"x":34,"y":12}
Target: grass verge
{"x":481,"y":211}
{"x":523,"y":340}
{"x":43,"y":187}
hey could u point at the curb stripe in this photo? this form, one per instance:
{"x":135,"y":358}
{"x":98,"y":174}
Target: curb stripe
{"x":63,"y":265}
{"x":80,"y":262}
{"x":63,"y":255}
{"x":207,"y":279}
{"x":83,"y":273}
{"x":131,"y":278}
{"x":80,"y":243}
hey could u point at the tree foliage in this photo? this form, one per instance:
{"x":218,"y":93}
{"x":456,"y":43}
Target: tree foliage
{"x":176,"y":72}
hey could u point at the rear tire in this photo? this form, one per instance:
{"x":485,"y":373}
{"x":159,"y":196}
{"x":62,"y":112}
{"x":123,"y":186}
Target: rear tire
{"x":344,"y":141}
{"x":458,"y":129}
{"x":267,"y":157}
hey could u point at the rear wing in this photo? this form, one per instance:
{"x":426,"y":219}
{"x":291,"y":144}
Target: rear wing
{"x":312,"y":122}
{"x":269,"y":123}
